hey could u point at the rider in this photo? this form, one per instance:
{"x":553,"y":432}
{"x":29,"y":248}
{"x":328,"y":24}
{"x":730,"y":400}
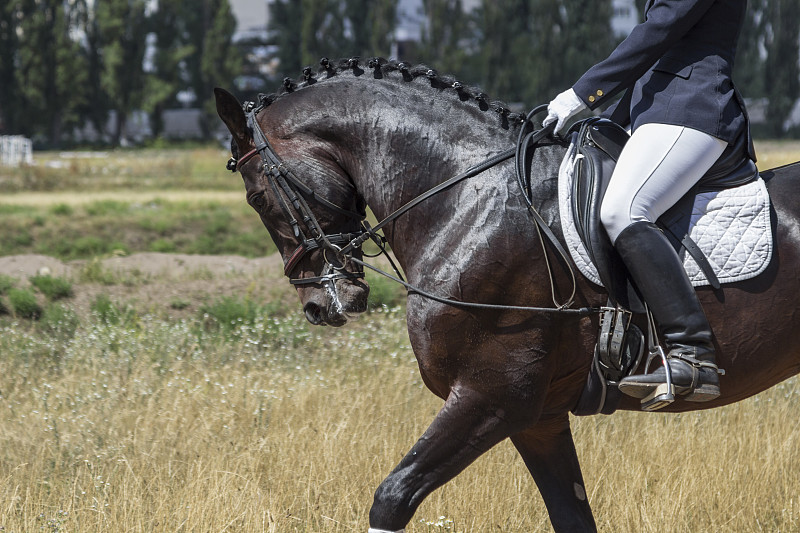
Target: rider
{"x":683,"y":111}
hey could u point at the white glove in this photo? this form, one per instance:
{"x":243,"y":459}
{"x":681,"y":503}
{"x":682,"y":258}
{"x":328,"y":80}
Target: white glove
{"x":563,"y":107}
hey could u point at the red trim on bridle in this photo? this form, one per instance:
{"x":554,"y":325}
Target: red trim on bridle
{"x":245,"y":158}
{"x":298,"y":254}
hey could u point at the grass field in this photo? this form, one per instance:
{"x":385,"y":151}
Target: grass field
{"x":122,"y":420}
{"x":204,"y":401}
{"x":77,"y":206}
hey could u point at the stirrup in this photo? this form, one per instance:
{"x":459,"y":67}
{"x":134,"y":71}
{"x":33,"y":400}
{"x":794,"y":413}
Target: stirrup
{"x":664,"y":394}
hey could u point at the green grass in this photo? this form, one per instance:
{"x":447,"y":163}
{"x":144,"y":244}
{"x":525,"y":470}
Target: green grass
{"x":101,"y":205}
{"x":227,"y":312}
{"x":6,"y":283}
{"x":383,"y":292}
{"x":59,"y":321}
{"x":112,"y":313}
{"x":54,"y":288}
{"x":23,"y":303}
{"x":104,"y":227}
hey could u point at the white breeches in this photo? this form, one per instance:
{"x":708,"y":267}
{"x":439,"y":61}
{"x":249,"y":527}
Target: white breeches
{"x":658,"y":165}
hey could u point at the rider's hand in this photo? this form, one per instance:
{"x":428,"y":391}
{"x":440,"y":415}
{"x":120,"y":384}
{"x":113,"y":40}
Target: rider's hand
{"x":563,"y":107}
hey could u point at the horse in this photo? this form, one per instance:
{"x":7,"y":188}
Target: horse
{"x":381,"y":134}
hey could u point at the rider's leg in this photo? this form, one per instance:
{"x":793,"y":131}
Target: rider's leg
{"x":658,"y":166}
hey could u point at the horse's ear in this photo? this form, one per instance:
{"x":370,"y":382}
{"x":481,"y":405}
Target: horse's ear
{"x":230,"y":111}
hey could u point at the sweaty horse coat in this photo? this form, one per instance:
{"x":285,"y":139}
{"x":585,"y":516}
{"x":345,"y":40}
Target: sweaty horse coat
{"x":385,"y":135}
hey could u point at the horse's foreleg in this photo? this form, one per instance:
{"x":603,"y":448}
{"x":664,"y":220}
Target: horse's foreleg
{"x":466,"y":427}
{"x":549,"y":453}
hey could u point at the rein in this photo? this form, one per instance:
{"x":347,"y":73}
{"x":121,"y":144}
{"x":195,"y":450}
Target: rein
{"x":284,"y":180}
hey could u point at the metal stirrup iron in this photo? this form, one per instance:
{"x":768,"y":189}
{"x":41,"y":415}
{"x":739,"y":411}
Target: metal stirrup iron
{"x":664,"y":394}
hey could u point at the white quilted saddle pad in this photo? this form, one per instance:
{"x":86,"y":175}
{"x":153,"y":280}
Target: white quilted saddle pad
{"x":731,"y":227}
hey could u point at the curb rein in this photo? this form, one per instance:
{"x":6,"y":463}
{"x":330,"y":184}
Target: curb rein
{"x":284,"y":182}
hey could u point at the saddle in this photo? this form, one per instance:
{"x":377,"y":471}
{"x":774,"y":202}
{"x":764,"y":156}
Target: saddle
{"x":621,"y":344}
{"x":599,"y":143}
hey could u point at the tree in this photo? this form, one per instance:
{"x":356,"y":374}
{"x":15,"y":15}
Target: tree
{"x":371,"y":24}
{"x":549,"y":69}
{"x":220,"y":63}
{"x":49,"y":66}
{"x":171,"y":49}
{"x":307,"y":30}
{"x":122,"y":33}
{"x":9,"y":94}
{"x":449,"y":39}
{"x":748,"y":73}
{"x":321,"y":32}
{"x":285,"y":24}
{"x":529,"y":50}
{"x":505,"y":48}
{"x":214,"y":61}
{"x":95,"y":106}
{"x":781,"y":66}
{"x":587,"y":37}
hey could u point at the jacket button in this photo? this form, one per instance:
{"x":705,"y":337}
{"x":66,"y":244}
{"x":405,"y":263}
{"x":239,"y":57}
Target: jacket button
{"x":591,"y":98}
{"x":599,"y":92}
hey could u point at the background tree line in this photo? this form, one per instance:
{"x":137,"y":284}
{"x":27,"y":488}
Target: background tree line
{"x":66,"y":63}
{"x":527,"y":51}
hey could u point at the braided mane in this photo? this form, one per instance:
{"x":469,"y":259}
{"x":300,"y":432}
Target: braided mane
{"x":380,"y":68}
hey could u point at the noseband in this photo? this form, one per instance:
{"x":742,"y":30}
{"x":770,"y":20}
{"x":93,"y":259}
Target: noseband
{"x":288,"y":187}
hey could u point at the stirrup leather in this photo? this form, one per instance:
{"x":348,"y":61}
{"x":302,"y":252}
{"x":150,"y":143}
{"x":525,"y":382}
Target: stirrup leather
{"x":696,"y":365}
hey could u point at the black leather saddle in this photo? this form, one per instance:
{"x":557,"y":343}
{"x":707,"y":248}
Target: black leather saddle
{"x":600,"y":142}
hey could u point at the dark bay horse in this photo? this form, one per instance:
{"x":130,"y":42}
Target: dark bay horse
{"x":380,"y":135}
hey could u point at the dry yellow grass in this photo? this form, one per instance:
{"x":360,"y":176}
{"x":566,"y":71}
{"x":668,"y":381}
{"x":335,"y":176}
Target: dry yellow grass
{"x":290,"y":429}
{"x":773,"y":154}
{"x":155,"y":427}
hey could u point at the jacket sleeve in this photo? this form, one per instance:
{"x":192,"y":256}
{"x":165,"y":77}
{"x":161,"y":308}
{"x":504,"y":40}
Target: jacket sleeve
{"x":620,"y":111}
{"x":666,"y":21}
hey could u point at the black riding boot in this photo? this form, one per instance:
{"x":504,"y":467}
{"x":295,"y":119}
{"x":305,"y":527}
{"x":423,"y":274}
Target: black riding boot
{"x":659,"y":275}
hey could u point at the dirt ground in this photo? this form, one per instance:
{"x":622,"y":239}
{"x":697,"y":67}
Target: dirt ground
{"x":176,"y":284}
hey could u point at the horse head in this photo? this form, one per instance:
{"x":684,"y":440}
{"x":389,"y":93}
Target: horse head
{"x":381,"y":133}
{"x":309,"y":206}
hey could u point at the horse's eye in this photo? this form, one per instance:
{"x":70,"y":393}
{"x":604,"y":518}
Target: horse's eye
{"x":257,"y":201}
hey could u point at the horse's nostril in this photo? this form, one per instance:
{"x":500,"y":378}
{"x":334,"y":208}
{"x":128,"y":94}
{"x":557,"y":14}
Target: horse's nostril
{"x":313,"y":313}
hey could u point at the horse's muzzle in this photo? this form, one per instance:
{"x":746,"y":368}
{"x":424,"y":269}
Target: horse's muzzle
{"x":337,"y":303}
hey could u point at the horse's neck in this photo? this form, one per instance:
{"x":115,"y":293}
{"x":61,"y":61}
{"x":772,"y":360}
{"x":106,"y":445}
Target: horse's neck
{"x":397,"y":139}
{"x":413,"y":157}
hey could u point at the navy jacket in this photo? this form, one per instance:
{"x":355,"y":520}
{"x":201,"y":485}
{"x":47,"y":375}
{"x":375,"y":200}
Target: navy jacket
{"x":677,"y":67}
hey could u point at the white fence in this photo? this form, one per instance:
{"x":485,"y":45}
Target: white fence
{"x":15,"y":150}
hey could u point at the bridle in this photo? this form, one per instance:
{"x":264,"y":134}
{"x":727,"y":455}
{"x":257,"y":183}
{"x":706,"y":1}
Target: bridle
{"x":291,"y":191}
{"x":337,"y":249}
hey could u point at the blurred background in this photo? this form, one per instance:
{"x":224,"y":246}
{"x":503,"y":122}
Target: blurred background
{"x":122,"y":72}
